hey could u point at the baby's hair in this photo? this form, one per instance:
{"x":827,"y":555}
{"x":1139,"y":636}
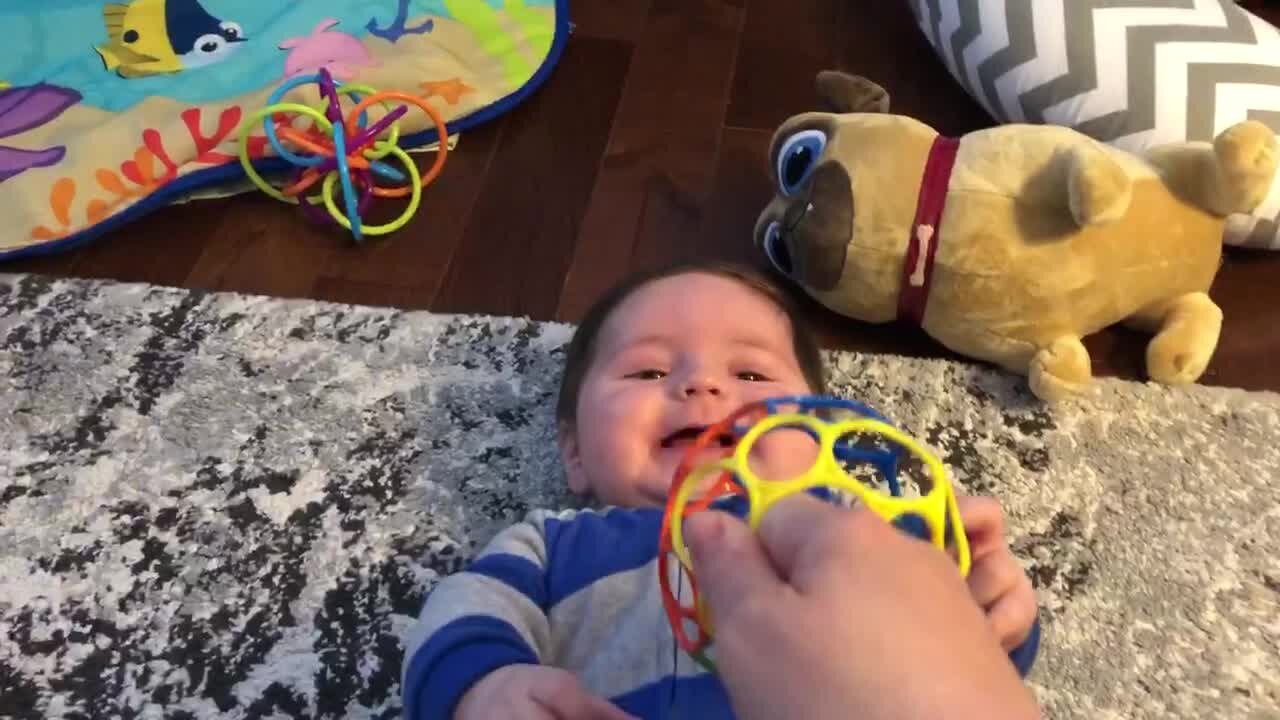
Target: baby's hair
{"x":582,"y":348}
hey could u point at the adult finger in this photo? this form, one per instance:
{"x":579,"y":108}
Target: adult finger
{"x":795,"y":523}
{"x":597,"y":708}
{"x":729,"y":562}
{"x":564,"y":698}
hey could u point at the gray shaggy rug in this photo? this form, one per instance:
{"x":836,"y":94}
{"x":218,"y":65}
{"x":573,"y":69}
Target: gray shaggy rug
{"x":214,"y":505}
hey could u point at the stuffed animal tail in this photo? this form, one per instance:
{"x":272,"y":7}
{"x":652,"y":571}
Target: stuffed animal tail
{"x":1259,"y":230}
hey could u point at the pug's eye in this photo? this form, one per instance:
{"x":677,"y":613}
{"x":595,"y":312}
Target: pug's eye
{"x":776,"y":249}
{"x":797,"y":157}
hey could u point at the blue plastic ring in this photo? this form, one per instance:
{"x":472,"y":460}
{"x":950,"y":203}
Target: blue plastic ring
{"x":344,"y":176}
{"x":270,"y":129}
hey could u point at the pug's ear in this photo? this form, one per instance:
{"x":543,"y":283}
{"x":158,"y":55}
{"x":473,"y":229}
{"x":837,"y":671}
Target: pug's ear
{"x":844,"y":93}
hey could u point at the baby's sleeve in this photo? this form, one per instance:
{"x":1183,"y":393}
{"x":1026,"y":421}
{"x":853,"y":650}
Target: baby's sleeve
{"x":1024,"y":656}
{"x":490,"y":615}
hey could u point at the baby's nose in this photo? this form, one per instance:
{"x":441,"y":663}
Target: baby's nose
{"x":701,"y":386}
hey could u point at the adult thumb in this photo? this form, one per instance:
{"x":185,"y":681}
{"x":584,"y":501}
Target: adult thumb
{"x":729,"y":562}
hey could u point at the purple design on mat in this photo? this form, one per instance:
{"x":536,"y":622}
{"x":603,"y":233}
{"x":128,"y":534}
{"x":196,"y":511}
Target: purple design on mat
{"x":24,"y":108}
{"x":14,"y":160}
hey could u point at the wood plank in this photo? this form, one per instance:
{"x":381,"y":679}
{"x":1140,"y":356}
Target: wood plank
{"x":418,"y":255}
{"x":883,"y":43}
{"x":159,"y":248}
{"x":1246,"y":290}
{"x":740,"y":191}
{"x":611,"y":20}
{"x":265,"y":247}
{"x":520,"y":236}
{"x":57,"y":264}
{"x":657,"y":173}
{"x":784,"y":45}
{"x":1268,"y":10}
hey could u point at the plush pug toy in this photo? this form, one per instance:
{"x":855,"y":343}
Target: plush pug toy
{"x":1009,"y":244}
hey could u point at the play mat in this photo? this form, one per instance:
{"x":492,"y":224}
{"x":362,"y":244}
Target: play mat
{"x":111,"y":110}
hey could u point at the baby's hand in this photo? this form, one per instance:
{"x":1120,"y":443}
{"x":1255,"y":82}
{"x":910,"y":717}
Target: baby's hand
{"x":533,"y":692}
{"x":996,"y":580}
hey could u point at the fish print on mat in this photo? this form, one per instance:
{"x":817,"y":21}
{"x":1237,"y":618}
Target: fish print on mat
{"x":62,"y":42}
{"x":150,"y":37}
{"x":333,"y":50}
{"x":22,"y":109}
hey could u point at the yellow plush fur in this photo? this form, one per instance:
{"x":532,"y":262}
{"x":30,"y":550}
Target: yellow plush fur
{"x":1047,"y":235}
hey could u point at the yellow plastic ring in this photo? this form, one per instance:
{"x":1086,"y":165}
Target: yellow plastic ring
{"x":253,"y":121}
{"x":936,"y":507}
{"x":415,"y":198}
{"x":692,"y":480}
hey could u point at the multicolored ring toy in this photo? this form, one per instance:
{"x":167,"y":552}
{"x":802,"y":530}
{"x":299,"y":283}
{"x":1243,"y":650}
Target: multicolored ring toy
{"x":342,"y":150}
{"x":934,"y":516}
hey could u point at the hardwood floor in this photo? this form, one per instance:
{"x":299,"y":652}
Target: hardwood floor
{"x":647,"y":144}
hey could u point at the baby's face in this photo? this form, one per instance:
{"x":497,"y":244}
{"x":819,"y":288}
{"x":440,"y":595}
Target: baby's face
{"x":678,"y":355}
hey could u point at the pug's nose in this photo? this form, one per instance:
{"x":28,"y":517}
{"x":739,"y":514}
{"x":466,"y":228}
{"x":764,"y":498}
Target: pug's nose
{"x":818,"y":226}
{"x":796,"y":212}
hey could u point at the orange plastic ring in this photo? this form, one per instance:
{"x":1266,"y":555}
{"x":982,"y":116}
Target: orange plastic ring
{"x":309,"y":177}
{"x":306,"y":143}
{"x":423,"y":105}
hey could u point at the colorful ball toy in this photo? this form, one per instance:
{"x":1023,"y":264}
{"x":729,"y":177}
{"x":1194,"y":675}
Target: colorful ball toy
{"x":347,"y":151}
{"x":855,"y":446}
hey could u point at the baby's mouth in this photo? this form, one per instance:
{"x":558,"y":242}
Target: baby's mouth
{"x":685,"y":436}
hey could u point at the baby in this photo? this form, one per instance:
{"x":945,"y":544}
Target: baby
{"x":561,"y":615}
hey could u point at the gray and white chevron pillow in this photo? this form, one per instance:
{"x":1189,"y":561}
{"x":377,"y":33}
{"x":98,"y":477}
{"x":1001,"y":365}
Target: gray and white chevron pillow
{"x":1131,"y":73}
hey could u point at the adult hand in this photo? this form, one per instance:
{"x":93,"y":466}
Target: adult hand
{"x":834,"y":614}
{"x":533,"y":692}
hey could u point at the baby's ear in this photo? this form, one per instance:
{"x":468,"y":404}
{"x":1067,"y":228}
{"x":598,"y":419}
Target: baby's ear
{"x":571,"y":458}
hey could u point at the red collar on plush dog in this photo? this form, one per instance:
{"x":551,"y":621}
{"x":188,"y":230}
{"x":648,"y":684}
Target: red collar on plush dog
{"x":917,"y":272}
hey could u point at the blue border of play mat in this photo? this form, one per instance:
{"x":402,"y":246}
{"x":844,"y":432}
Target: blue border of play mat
{"x":232,"y":170}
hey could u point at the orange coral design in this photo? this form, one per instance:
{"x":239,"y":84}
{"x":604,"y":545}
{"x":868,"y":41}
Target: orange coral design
{"x":150,"y":169}
{"x":451,"y":90}
{"x":61,"y":195}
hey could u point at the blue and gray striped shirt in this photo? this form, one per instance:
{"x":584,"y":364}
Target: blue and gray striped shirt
{"x":578,"y":590}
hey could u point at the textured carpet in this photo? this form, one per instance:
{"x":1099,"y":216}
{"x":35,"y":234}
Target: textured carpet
{"x":229,"y":506}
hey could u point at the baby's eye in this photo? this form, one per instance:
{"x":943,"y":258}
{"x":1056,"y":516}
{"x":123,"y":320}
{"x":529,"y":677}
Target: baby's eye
{"x":751,"y":376}
{"x":647,"y":374}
